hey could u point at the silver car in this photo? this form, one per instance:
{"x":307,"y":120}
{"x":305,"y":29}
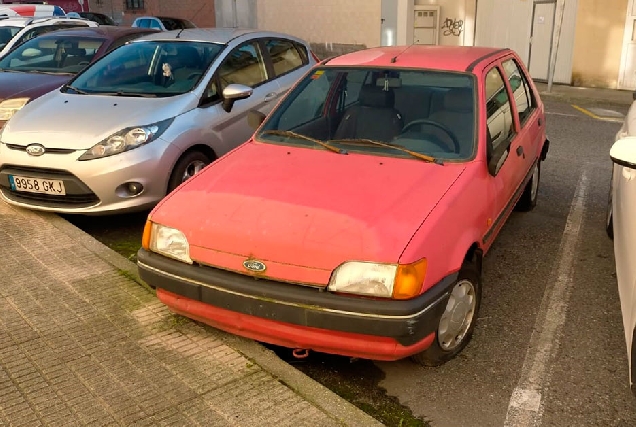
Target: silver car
{"x":140,"y":121}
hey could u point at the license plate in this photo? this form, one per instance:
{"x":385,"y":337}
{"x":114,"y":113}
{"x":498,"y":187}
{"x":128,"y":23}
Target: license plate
{"x":37,"y":185}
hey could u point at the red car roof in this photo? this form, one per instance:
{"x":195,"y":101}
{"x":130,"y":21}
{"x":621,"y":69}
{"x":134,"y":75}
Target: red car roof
{"x":451,"y":58}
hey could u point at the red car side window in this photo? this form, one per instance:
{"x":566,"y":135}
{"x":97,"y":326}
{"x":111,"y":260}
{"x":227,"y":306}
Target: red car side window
{"x":523,"y":95}
{"x":499,"y":113}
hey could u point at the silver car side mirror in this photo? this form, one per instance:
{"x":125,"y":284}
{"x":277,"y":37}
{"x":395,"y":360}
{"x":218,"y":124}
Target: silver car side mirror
{"x":233,"y":92}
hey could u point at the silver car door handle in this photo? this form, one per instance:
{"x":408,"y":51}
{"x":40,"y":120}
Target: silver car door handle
{"x":270,"y":96}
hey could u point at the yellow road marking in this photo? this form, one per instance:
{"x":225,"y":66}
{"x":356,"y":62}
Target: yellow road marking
{"x":594,"y":116}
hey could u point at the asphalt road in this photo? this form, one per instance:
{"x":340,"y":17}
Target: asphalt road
{"x":549,"y":347}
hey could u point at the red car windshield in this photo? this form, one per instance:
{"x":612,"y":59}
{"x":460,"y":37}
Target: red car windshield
{"x":426,"y":112}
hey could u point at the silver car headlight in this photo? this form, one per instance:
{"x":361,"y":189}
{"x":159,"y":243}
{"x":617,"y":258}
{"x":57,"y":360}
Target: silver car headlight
{"x":9,"y":107}
{"x":169,"y":242}
{"x":126,"y":139}
{"x":397,"y":281}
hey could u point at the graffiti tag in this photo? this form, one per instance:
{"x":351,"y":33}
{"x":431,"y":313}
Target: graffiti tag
{"x":453,"y":27}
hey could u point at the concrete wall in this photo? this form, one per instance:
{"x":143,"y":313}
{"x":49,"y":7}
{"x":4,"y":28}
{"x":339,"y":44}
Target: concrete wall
{"x":331,"y":26}
{"x":599,"y":42}
{"x":242,"y":15}
{"x":457,"y":21}
{"x":508,"y":23}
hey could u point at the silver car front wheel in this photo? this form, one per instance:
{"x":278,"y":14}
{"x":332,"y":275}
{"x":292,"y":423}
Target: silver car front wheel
{"x":192,"y":169}
{"x":190,"y":164}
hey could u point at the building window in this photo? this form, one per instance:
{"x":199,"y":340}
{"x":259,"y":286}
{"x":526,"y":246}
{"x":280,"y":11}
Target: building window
{"x":99,"y":2}
{"x":134,"y":4}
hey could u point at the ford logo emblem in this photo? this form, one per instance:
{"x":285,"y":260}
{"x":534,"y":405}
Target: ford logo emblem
{"x":254,"y":265}
{"x":35,"y":149}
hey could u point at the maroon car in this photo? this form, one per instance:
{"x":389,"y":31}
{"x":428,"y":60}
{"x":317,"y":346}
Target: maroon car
{"x":47,"y":62}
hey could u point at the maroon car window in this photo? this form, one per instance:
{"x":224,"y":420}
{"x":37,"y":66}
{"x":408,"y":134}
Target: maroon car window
{"x":55,"y":55}
{"x":37,"y":31}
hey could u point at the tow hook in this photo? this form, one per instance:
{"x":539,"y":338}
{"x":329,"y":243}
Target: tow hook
{"x":300,"y":353}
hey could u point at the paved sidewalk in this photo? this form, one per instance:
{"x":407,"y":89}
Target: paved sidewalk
{"x":585,"y":95}
{"x":82,"y":343}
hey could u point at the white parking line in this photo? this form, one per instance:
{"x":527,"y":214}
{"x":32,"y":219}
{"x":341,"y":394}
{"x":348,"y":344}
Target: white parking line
{"x":526,"y":403}
{"x":560,"y":114}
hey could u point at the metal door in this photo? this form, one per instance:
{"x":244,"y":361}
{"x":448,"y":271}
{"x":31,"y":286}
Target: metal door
{"x":541,"y":38}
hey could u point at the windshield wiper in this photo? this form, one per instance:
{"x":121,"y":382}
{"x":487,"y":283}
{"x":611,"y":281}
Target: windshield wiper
{"x":40,"y":72}
{"x":131,"y":94}
{"x":66,"y":87}
{"x":53,"y":73}
{"x":389,"y":145}
{"x":306,"y":138}
{"x":27,"y":70}
{"x":127,"y":94}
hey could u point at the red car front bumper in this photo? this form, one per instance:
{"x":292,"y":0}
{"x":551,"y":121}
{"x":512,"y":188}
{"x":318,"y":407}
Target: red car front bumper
{"x":297,"y":316}
{"x":293,"y":336}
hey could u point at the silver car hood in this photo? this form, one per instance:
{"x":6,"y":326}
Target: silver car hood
{"x":61,"y":120}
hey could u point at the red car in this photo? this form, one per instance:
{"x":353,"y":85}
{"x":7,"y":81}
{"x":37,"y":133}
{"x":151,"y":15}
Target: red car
{"x":355,"y":220}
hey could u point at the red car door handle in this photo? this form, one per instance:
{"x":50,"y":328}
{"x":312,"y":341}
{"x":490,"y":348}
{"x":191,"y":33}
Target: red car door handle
{"x":540,"y":122}
{"x":520,"y":151}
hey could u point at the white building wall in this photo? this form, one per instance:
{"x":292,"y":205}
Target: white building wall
{"x":350,"y":22}
{"x":457,"y":21}
{"x":508,"y":23}
{"x":563,"y":70}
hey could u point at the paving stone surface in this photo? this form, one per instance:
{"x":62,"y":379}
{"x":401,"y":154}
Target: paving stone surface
{"x":83,"y":344}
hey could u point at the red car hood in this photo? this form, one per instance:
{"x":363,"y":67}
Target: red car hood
{"x":303,"y":207}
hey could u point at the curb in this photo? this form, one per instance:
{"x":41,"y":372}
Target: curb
{"x":320,"y":396}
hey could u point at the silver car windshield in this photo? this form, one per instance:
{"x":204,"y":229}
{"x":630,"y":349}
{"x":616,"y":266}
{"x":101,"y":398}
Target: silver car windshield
{"x":148,"y":68}
{"x":375,"y":111}
{"x":55,"y":55}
